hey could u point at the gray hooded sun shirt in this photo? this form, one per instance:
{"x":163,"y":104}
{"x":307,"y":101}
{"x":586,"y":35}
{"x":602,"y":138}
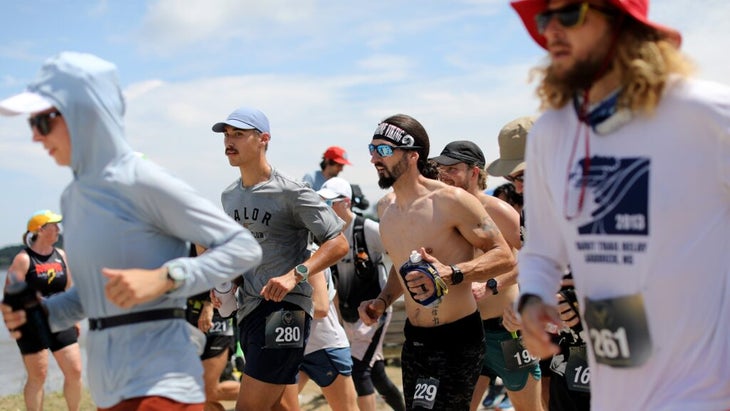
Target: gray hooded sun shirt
{"x":122,"y":211}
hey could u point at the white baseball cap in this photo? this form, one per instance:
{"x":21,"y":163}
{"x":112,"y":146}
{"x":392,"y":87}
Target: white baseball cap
{"x":335,"y":187}
{"x":25,"y":102}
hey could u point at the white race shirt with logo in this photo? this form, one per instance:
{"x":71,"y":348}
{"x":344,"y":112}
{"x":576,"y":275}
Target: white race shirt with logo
{"x":654,"y":223}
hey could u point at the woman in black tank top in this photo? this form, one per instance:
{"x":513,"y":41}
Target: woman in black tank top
{"x":43,"y":267}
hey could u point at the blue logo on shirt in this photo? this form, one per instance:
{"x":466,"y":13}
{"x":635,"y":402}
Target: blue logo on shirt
{"x":617,"y":195}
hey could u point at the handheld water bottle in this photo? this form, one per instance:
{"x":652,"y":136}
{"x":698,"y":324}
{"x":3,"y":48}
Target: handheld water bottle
{"x":20,"y":296}
{"x":224,"y":292}
{"x":416,"y":263}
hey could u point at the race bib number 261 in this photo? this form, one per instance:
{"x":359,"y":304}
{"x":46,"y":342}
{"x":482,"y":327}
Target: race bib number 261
{"x":618,"y":330}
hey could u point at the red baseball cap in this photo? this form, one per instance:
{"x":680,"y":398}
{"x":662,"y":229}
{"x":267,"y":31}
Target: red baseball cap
{"x":638,"y":9}
{"x":337,"y":154}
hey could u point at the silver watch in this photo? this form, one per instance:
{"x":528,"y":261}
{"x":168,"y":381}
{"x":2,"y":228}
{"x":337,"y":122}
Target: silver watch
{"x":176,"y":273}
{"x":303,"y":271}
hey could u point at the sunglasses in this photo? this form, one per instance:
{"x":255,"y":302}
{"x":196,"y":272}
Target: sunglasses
{"x":42,"y":122}
{"x":331,"y":202}
{"x":385,"y":150}
{"x":571,"y":15}
{"x":519,"y":178}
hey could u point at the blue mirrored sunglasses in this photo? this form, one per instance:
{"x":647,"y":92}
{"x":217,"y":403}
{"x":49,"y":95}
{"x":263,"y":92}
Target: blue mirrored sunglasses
{"x":332,"y":201}
{"x":385,"y":150}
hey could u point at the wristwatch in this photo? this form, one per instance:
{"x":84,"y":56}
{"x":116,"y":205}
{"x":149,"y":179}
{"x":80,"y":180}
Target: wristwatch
{"x":456,"y":275}
{"x":303,"y":271}
{"x":176,"y":273}
{"x":492,"y":284}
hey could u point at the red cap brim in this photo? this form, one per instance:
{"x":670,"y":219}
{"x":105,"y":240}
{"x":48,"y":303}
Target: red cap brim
{"x":527,"y":10}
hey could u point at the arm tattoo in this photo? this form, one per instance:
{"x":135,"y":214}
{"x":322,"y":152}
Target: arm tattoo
{"x":489,"y":227}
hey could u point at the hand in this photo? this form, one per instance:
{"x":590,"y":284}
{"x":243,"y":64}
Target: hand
{"x":371,"y":310}
{"x":13,"y":320}
{"x":130,"y":287}
{"x":215,"y":301}
{"x":205,"y":321}
{"x":536,"y":316}
{"x":444,"y":271}
{"x":420,"y":285}
{"x":479,"y":290}
{"x":278,"y":287}
{"x":510,"y":320}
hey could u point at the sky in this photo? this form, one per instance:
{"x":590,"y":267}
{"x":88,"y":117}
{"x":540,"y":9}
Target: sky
{"x":325,"y":72}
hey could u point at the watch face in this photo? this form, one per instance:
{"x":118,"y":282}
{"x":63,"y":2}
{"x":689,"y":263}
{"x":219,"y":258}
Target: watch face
{"x":492,"y":284}
{"x":176,"y":273}
{"x":457,"y":276}
{"x":303,"y":271}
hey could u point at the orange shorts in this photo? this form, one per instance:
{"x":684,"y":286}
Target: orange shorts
{"x":153,"y":404}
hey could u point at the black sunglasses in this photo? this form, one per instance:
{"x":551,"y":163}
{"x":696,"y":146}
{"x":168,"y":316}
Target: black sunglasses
{"x":42,"y":122}
{"x":519,"y":177}
{"x":569,"y":16}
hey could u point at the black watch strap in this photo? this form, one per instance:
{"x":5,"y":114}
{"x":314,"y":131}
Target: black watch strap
{"x":492,"y":285}
{"x":456,"y":275}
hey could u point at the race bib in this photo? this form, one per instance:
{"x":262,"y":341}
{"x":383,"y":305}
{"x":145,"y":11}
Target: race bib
{"x":221,"y":327}
{"x":516,"y":355}
{"x":618,"y":330}
{"x":577,"y":371}
{"x":285,"y":329}
{"x":425,"y":394}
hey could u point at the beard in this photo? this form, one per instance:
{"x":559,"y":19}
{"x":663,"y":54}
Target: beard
{"x":582,"y":75}
{"x":449,"y":181}
{"x":389,"y":177}
{"x":586,"y":72}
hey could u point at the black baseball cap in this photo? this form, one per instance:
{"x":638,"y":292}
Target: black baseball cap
{"x":461,"y":151}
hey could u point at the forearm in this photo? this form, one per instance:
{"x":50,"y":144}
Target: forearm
{"x":328,"y":254}
{"x":320,"y":296}
{"x":392,"y":290}
{"x":507,"y":279}
{"x":498,"y":261}
{"x":64,"y":310}
{"x":222,"y":262}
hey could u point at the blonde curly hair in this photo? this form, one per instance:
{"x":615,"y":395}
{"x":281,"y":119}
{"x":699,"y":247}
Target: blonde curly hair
{"x":645,"y":61}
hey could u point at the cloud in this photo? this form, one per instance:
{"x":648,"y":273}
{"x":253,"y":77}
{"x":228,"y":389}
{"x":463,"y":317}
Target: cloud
{"x":324,"y":72}
{"x":170,"y":25}
{"x":171,"y":121}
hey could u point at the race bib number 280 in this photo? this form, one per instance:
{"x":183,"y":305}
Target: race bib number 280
{"x":285,"y":329}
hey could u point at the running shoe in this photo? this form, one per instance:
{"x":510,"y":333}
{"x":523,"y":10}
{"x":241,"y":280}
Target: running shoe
{"x":492,"y":395}
{"x":506,"y":404}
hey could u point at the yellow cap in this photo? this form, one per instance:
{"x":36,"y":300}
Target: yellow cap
{"x":41,"y":218}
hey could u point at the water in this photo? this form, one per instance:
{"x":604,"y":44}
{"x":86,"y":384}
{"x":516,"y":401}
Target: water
{"x":12,"y":370}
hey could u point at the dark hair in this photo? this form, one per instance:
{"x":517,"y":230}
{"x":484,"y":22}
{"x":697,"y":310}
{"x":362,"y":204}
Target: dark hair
{"x":411,"y":126}
{"x":326,"y":162}
{"x":508,"y":190}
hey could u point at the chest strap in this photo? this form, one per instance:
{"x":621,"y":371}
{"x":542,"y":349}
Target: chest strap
{"x":96,"y":324}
